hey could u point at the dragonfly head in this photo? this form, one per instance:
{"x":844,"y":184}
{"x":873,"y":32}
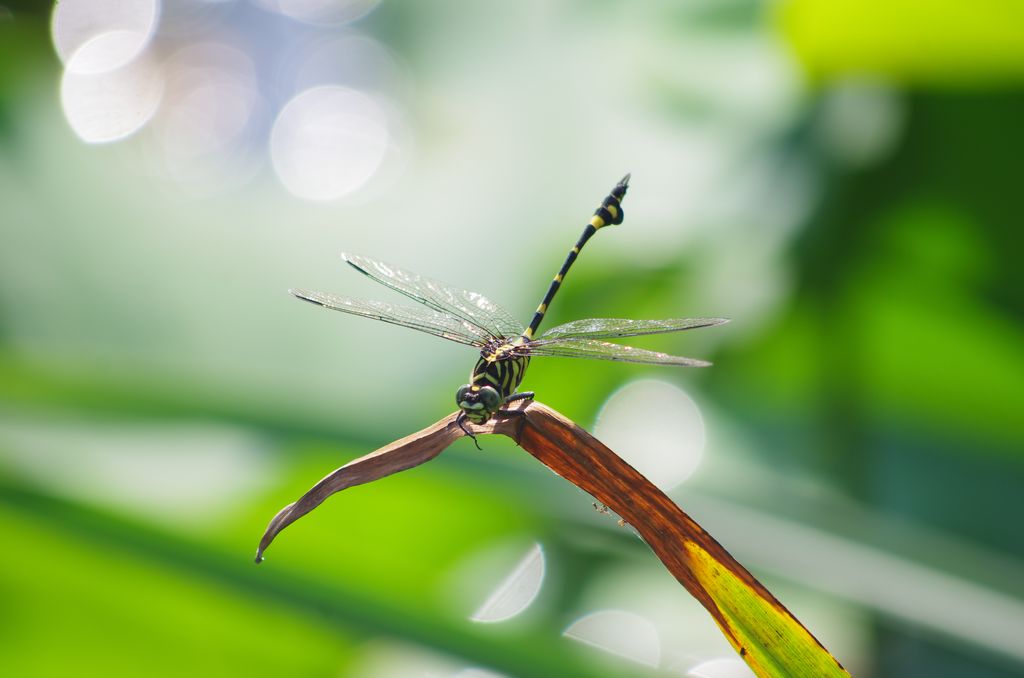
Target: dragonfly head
{"x":478,"y":403}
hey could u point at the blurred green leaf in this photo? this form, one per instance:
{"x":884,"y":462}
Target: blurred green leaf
{"x":120,"y":559}
{"x":945,"y":43}
{"x":69,"y":600}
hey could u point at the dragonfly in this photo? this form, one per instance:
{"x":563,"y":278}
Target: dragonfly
{"x":505,"y":345}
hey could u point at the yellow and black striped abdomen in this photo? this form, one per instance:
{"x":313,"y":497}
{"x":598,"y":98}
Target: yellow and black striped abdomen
{"x":608,"y":213}
{"x":503,"y":361}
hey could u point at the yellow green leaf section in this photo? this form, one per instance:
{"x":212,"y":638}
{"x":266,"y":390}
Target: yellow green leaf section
{"x":763,"y":632}
{"x":943,"y":43}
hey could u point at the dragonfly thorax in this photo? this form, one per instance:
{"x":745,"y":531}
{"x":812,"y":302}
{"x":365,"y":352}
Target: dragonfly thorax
{"x":503,"y":349}
{"x":495,"y":377}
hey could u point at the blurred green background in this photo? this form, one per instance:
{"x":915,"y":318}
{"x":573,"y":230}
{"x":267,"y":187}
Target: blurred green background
{"x":842,"y":179}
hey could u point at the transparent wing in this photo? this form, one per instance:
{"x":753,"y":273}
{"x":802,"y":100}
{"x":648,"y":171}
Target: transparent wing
{"x":602,"y":350}
{"x":424,"y":320}
{"x":489,"y":320}
{"x":612,"y":328}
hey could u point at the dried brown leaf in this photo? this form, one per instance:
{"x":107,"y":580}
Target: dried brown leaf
{"x":768,"y":637}
{"x":400,"y":455}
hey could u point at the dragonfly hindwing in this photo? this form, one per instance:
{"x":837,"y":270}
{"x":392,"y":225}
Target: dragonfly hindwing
{"x":413,"y":317}
{"x":612,"y":328}
{"x":603,"y":350}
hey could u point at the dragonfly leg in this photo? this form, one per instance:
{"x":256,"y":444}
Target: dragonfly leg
{"x":525,"y":395}
{"x":460,"y":421}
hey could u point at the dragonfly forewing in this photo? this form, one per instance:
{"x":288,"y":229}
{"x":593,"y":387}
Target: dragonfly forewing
{"x":492,"y":321}
{"x":413,"y":317}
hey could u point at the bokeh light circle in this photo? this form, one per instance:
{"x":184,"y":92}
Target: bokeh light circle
{"x":517,"y":591}
{"x":107,"y":52}
{"x":625,"y":634}
{"x":324,"y":12}
{"x":211,"y":94}
{"x":77,"y":22}
{"x":206,"y":135}
{"x":657,"y":428}
{"x":113,"y":104}
{"x":328,"y":142}
{"x":721,"y":668}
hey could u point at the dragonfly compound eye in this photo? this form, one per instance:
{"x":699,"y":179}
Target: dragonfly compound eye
{"x":490,"y":397}
{"x":461,"y":394}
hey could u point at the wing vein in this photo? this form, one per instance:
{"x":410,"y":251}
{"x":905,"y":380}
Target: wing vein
{"x":614,"y":328}
{"x":594,"y":349}
{"x":420,"y":319}
{"x":489,"y":320}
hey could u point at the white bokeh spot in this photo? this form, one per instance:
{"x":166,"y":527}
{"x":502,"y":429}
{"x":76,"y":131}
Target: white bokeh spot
{"x":625,"y":634}
{"x":330,"y":12}
{"x":328,"y":142}
{"x":721,"y":668}
{"x":77,"y":22}
{"x":517,"y":591}
{"x":657,"y":428}
{"x":108,"y":104}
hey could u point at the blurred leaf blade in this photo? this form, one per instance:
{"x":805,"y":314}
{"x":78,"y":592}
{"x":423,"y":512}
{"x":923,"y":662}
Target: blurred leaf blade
{"x":334,"y":605}
{"x":939,"y":43}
